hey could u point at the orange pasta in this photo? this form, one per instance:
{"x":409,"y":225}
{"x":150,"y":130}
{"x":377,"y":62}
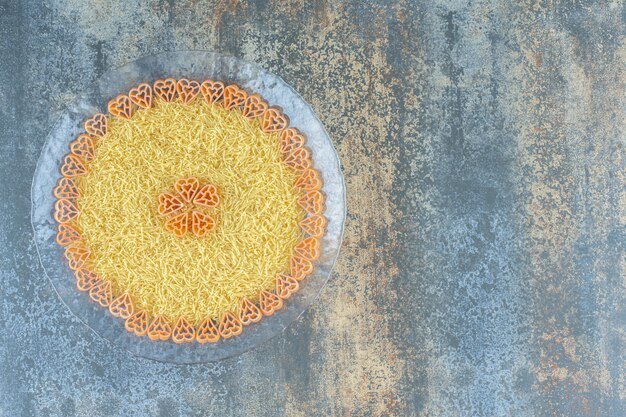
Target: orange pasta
{"x":189,"y":218}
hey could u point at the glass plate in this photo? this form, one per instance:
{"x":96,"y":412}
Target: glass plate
{"x":197,"y":65}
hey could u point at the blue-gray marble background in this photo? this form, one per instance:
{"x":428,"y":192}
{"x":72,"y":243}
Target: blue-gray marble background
{"x":482,"y":272}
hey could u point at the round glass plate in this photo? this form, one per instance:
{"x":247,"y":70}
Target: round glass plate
{"x":197,"y":65}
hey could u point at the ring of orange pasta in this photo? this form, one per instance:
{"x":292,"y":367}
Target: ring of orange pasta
{"x":295,"y":155}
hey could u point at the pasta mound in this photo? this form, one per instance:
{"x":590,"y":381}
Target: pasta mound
{"x":257,"y":221}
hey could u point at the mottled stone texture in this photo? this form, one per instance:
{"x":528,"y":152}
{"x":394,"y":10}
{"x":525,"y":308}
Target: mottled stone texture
{"x":482,"y":272}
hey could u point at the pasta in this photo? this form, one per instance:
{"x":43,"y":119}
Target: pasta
{"x":257,"y":222}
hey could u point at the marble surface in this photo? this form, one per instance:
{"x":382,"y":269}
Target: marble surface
{"x":482,"y":271}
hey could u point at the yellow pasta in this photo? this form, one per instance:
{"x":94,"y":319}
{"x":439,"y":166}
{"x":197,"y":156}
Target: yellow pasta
{"x":257,"y":221}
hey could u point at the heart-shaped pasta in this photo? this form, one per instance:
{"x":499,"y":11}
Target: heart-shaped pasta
{"x":121,"y":106}
{"x":137,"y":323}
{"x":183,"y":331}
{"x":86,"y":279}
{"x":207,"y":139}
{"x":122,"y":306}
{"x":269,"y":303}
{"x":248,"y":312}
{"x":187,"y":90}
{"x":230,"y":326}
{"x":212,"y":91}
{"x":83,"y":147}
{"x":67,"y":235}
{"x":96,"y":125}
{"x":285,"y":286}
{"x":141,"y":95}
{"x":165,"y":89}
{"x":274,"y":120}
{"x":102,"y":293}
{"x":207,"y":331}
{"x":159,"y":329}
{"x":73,"y":166}
{"x":234,"y":97}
